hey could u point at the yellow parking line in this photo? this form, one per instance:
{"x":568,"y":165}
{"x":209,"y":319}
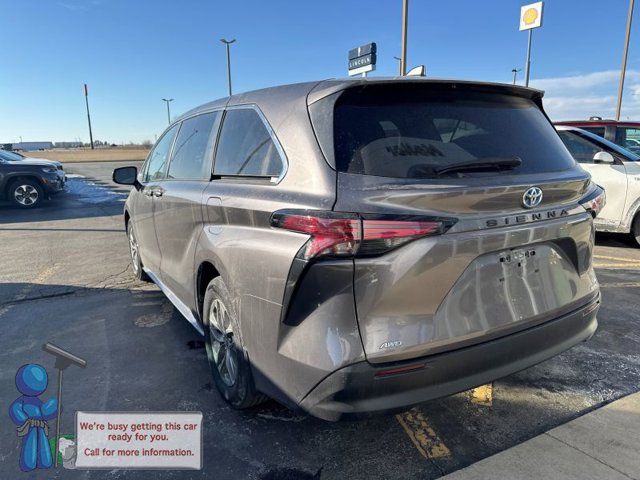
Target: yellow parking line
{"x":620,"y":285}
{"x":621,"y":259}
{"x":483,"y":395}
{"x":632,"y":266}
{"x":424,"y":438}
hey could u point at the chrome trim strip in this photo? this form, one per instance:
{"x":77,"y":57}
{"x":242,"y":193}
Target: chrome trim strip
{"x":182,"y":308}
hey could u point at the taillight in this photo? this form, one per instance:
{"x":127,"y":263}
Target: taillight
{"x":330,"y":234}
{"x":594,"y":201}
{"x":346,"y":234}
{"x":379,"y":236}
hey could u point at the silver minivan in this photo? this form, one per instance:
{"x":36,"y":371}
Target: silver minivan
{"x":357,"y":246}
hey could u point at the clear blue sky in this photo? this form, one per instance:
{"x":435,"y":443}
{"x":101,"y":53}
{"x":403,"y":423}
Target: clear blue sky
{"x":133,"y":53}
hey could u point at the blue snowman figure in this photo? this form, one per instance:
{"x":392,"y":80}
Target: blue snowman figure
{"x":30,"y":414}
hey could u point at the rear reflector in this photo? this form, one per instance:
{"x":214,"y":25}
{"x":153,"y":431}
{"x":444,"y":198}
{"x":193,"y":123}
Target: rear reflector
{"x":345,"y":234}
{"x":399,"y":370}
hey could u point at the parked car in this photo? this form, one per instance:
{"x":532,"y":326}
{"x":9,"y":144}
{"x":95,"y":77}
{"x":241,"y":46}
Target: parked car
{"x":615,"y":169}
{"x":26,"y":182}
{"x":623,"y":133}
{"x":355,"y":246}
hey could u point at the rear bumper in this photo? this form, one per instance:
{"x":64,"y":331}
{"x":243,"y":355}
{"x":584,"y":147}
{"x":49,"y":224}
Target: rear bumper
{"x":355,"y":389}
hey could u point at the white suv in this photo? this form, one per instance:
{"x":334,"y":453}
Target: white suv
{"x":614,"y":168}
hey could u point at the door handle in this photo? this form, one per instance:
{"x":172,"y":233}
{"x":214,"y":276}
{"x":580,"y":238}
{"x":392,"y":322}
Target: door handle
{"x":148,"y":192}
{"x":158,"y":192}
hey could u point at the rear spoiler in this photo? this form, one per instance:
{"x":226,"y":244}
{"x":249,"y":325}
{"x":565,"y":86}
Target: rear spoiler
{"x":329,"y":87}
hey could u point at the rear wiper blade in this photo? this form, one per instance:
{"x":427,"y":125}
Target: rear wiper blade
{"x":487,"y":163}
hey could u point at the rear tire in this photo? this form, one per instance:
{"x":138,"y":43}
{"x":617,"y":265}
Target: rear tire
{"x":134,"y":251}
{"x":227,"y":359}
{"x":25,"y":194}
{"x":635,"y":229}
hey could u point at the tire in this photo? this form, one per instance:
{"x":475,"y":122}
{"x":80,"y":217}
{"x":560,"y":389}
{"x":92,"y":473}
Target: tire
{"x":635,"y":229}
{"x":229,"y":365}
{"x":25,"y":194}
{"x":134,"y":251}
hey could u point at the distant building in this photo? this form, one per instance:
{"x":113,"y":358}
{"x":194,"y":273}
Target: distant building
{"x":30,"y":146}
{"x":75,"y":144}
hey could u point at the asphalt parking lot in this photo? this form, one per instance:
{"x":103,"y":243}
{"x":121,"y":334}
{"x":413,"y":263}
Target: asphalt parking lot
{"x":65,"y":278}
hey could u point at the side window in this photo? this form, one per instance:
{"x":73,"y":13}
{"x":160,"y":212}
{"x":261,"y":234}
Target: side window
{"x":596,"y":130}
{"x":189,"y":160}
{"x":630,"y":138}
{"x":159,"y":155}
{"x":581,"y":149}
{"x":246,"y":147}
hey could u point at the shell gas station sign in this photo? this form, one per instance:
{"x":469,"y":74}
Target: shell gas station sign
{"x":531,"y":16}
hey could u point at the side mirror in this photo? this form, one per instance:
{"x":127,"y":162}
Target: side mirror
{"x":125,"y":175}
{"x":603,"y":157}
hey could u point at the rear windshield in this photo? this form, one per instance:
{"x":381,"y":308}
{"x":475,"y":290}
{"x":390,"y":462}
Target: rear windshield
{"x":424,"y":132}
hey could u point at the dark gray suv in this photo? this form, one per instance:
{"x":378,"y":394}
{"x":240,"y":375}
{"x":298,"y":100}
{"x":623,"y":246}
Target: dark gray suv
{"x":353,"y":246}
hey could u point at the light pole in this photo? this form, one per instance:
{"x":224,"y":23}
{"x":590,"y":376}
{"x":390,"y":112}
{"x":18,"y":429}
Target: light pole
{"x":403,"y":54}
{"x":227,"y":43}
{"x":515,"y":73}
{"x":168,"y":100}
{"x":86,"y":99}
{"x":399,"y":65}
{"x":623,"y":70}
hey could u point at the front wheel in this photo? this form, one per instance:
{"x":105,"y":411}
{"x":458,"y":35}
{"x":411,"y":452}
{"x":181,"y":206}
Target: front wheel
{"x":25,"y":193}
{"x":229,"y":365}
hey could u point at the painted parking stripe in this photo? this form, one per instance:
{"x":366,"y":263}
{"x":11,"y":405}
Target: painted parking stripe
{"x":620,"y":285}
{"x":482,"y":395}
{"x":620,"y":259}
{"x":422,"y":435}
{"x":628,"y":266}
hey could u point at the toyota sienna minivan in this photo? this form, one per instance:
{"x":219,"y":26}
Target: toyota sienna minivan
{"x":364,"y":245}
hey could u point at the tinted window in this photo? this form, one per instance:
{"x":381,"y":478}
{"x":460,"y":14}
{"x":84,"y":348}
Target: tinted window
{"x":412,"y":132}
{"x":246,"y":147}
{"x":595,"y":130}
{"x":189,"y":160}
{"x":582,"y":149}
{"x":158,"y":157}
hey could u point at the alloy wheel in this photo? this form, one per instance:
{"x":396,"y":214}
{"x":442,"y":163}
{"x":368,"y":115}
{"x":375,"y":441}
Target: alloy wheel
{"x":135,"y":251}
{"x":26,"y":195}
{"x":222,"y":346}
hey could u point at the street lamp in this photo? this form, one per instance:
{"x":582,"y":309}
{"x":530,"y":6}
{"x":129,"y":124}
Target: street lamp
{"x":227,"y":43}
{"x":399,"y":65}
{"x":625,"y":53}
{"x":515,"y":73}
{"x":168,"y":110}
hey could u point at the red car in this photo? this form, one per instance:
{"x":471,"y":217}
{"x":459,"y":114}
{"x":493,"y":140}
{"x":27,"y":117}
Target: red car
{"x":625,"y":134}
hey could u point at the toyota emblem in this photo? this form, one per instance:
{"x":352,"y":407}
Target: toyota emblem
{"x":532,"y":197}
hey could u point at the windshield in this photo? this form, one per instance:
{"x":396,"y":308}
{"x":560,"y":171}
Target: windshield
{"x":420,"y":131}
{"x":10,"y":156}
